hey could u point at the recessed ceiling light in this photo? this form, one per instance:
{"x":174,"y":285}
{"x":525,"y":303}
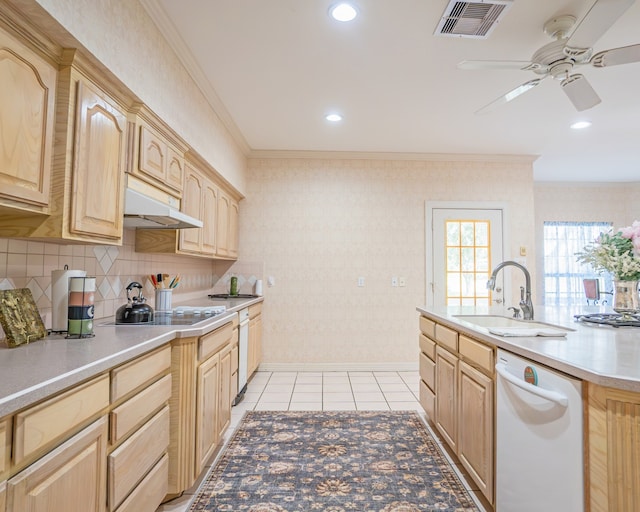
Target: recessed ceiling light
{"x":334,"y":118}
{"x":343,"y":12}
{"x":581,"y":125}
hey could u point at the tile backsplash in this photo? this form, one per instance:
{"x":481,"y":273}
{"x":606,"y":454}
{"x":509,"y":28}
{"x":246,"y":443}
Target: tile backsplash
{"x":28,"y":264}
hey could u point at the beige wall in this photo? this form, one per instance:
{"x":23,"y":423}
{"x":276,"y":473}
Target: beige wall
{"x":320,"y":224}
{"x":572,"y":202}
{"x":121,"y":35}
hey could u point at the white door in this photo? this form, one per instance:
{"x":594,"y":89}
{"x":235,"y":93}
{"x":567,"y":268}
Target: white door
{"x":463,"y":246}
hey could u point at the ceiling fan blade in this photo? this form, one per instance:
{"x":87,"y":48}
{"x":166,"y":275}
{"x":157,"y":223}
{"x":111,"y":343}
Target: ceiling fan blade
{"x":493,"y":64}
{"x":597,"y":21}
{"x":580,"y":92}
{"x":616,"y":56}
{"x":511,"y":95}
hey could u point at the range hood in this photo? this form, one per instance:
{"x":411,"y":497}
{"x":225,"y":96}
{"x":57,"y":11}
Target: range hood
{"x":142,"y":211}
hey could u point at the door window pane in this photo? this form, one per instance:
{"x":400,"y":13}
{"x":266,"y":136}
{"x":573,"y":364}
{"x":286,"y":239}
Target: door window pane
{"x":468,"y":262}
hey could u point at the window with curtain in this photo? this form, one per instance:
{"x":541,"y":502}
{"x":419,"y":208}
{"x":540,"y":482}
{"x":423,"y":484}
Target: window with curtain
{"x":563,"y":275}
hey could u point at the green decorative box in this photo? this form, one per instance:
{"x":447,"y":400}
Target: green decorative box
{"x":19,"y":317}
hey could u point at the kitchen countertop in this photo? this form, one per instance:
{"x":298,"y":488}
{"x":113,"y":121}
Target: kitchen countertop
{"x":32,"y":372}
{"x":604,"y":355}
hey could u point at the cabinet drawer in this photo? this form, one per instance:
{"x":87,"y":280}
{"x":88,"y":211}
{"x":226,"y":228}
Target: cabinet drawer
{"x":477,"y":352}
{"x":428,"y":327}
{"x":427,"y":371}
{"x":149,"y":493}
{"x":446,"y":336}
{"x":214,"y":341}
{"x":428,"y":346}
{"x":51,"y":420}
{"x":428,"y":401}
{"x":131,"y":376}
{"x":132,"y":460}
{"x":255,"y":309}
{"x":134,"y":411}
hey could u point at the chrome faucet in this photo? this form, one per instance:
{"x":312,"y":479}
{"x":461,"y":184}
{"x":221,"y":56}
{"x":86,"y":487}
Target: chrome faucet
{"x":525,"y":294}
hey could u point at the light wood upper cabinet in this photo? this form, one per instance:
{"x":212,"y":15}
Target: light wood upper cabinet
{"x":200,"y":200}
{"x":159,"y":163}
{"x":227,"y":226}
{"x":28,"y":85}
{"x":204,"y":199}
{"x":97,"y":200}
{"x":87,"y":176}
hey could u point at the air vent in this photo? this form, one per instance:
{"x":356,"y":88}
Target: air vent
{"x":472,"y":19}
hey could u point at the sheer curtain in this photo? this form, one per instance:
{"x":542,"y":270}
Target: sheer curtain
{"x":563,"y":274}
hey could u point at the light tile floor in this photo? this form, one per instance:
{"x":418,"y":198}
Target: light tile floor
{"x":323,"y":391}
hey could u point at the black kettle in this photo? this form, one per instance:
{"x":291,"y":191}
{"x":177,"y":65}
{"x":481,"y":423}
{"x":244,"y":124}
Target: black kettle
{"x":136,"y":310}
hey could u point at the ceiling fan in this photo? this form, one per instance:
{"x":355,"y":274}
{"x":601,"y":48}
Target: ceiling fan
{"x":559,"y":58}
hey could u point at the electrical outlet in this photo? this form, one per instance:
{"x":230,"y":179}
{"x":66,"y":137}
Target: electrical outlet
{"x":402,"y":281}
{"x":361,"y":281}
{"x":394,"y":281}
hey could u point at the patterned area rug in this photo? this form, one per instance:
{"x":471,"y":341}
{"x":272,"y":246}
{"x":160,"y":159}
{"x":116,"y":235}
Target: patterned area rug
{"x":332,"y":462}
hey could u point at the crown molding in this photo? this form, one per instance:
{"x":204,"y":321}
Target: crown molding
{"x":160,"y":18}
{"x":363,"y":155}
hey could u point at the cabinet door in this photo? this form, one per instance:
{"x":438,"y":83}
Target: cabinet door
{"x":97,"y":199}
{"x":234,"y":213}
{"x":191,"y":239}
{"x":207,"y":403}
{"x":224,"y":411}
{"x":77,"y":466}
{"x":613,"y":440}
{"x":175,"y":169}
{"x":446,"y":410}
{"x":209,"y":217}
{"x":222,"y":224}
{"x":153,"y":154}
{"x":475,"y":432}
{"x":28,"y":85}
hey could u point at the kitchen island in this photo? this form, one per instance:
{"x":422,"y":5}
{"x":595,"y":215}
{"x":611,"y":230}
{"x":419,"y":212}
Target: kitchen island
{"x":458,"y":392}
{"x":128,"y":417}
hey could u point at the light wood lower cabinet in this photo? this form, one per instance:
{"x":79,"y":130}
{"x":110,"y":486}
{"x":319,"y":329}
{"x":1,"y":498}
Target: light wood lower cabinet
{"x":139,"y":432}
{"x":98,"y":447}
{"x":613,"y":440}
{"x":255,"y":338}
{"x":457,"y":391}
{"x":71,"y":478}
{"x":200,"y":403}
{"x":446,"y":419}
{"x":475,"y":427}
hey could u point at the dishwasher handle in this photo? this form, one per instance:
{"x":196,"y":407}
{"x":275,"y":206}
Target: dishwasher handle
{"x":552,"y":396}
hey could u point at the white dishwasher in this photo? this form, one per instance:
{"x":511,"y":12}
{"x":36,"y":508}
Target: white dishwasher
{"x":539,"y":461}
{"x":243,"y":353}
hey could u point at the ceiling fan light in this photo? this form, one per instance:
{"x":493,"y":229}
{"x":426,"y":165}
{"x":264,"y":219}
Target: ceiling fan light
{"x":343,"y":12}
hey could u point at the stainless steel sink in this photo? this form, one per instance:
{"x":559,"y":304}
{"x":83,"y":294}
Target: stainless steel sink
{"x":497,"y":321}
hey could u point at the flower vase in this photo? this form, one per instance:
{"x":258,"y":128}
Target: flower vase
{"x":625,"y":297}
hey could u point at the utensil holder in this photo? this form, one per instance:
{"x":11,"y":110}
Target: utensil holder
{"x":163,"y":300}
{"x":81,"y":301}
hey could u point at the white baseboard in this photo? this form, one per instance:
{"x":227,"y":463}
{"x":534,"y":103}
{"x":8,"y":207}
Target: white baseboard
{"x":338,"y":367}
